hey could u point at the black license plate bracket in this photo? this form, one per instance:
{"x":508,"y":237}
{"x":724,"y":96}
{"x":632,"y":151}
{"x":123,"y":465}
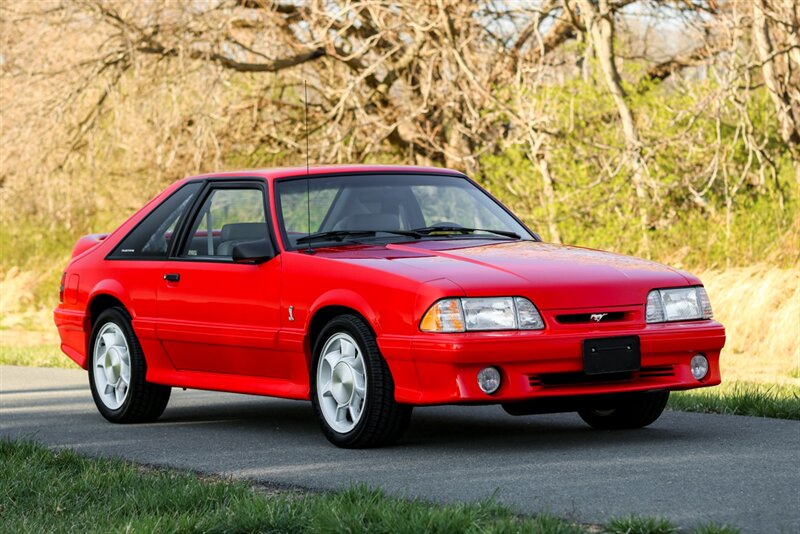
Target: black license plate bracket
{"x":611,"y":355}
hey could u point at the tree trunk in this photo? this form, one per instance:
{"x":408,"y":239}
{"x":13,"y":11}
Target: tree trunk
{"x":538,"y":154}
{"x":779,"y":92}
{"x":599,"y":23}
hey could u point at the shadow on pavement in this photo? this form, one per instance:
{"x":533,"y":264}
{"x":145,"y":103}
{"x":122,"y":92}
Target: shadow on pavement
{"x":471,"y":427}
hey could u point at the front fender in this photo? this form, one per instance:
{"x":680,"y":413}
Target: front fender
{"x":345,"y":298}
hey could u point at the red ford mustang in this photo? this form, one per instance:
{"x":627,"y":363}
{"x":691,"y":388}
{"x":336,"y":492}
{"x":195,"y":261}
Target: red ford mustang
{"x":370,"y":290}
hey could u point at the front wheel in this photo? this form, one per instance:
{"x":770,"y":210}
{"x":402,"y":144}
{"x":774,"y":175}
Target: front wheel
{"x":117,"y":370}
{"x":635,"y":410}
{"x":352,"y":389}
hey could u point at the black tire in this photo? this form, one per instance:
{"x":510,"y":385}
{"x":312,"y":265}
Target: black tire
{"x":144,"y":401}
{"x":383,"y":420}
{"x":636,"y":410}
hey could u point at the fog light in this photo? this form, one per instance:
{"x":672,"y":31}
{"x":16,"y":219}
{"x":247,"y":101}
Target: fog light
{"x":489,"y":379}
{"x":699,"y":366}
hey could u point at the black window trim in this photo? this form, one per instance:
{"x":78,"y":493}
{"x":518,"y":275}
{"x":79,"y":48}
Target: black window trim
{"x":111,"y":256}
{"x":211,"y":184}
{"x":279,"y":208}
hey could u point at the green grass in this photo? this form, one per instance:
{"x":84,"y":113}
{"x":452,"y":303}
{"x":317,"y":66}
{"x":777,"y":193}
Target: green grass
{"x":714,"y":529}
{"x":60,"y":491}
{"x":43,"y":491}
{"x":641,"y":525}
{"x":35,"y":356}
{"x":648,"y":525}
{"x":741,"y":398}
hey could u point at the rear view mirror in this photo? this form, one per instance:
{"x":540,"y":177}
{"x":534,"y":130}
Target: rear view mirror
{"x":253,"y":251}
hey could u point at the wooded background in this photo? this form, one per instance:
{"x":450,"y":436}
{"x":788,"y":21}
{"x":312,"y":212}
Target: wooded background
{"x":666,"y":129}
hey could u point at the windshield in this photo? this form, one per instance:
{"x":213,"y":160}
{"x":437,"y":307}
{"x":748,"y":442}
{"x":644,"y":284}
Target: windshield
{"x":346,"y":209}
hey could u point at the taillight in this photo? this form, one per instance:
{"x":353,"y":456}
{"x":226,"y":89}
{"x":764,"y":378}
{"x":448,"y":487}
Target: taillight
{"x":61,"y":287}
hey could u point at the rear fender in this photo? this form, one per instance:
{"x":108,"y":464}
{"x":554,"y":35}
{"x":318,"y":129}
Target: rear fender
{"x":111,"y":288}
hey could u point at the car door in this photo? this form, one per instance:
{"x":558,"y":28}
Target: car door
{"x":137,"y":263}
{"x":216,"y":315}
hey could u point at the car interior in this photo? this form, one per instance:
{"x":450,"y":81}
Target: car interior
{"x":371,"y":208}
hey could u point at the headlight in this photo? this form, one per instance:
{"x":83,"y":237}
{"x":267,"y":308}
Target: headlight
{"x":485,"y":313}
{"x":679,"y":304}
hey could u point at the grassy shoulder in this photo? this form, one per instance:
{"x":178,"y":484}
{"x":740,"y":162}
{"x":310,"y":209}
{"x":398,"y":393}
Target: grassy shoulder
{"x":741,"y":398}
{"x":47,"y":491}
{"x":35,"y":356}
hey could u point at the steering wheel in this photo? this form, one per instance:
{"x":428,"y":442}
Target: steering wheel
{"x":445,"y":224}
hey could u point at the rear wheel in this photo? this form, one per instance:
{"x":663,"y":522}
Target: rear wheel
{"x":352,"y":389}
{"x":117,"y":372}
{"x":636,"y":410}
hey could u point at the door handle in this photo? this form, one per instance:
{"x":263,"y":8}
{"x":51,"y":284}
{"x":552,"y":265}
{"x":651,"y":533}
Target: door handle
{"x":172,"y":277}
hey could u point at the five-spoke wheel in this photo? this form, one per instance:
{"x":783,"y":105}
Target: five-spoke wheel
{"x":112,"y":365}
{"x":352,"y":388}
{"x":342,"y":382}
{"x":117,"y":372}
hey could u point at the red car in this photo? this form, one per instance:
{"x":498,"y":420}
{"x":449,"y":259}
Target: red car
{"x":370,"y":290}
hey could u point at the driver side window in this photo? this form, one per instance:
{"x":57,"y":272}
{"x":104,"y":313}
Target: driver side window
{"x":227,"y":218}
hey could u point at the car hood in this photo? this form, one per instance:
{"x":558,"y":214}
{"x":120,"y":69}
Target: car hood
{"x":554,"y":276}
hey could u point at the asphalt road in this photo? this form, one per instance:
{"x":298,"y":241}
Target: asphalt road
{"x":689,"y":468}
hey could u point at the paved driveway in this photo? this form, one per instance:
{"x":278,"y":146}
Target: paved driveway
{"x":689,"y":468}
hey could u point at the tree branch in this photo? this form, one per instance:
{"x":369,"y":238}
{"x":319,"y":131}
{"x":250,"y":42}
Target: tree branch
{"x":239,"y":66}
{"x":663,"y":70}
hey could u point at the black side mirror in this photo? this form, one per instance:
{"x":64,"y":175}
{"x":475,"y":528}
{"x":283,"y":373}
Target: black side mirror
{"x":253,"y":251}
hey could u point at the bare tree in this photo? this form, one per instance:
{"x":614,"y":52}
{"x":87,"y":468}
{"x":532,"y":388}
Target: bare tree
{"x":157,"y":90}
{"x":599,"y":22}
{"x":777,"y":39}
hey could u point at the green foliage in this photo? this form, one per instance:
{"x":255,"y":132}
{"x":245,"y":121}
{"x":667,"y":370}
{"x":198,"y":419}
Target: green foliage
{"x":709,"y":202}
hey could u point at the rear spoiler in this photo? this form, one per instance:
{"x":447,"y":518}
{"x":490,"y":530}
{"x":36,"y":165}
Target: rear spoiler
{"x":87,"y":242}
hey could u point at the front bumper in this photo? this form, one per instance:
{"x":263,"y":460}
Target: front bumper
{"x":442,"y":368}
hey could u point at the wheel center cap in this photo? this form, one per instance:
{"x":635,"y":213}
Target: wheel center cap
{"x":342,"y":383}
{"x":112,"y":364}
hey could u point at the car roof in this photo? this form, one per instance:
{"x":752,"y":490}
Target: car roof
{"x":287,"y":172}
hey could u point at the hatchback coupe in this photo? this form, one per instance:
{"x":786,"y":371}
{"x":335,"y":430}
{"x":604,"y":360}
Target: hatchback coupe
{"x":370,"y":290}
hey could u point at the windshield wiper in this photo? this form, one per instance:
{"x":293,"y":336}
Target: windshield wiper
{"x":341,"y":235}
{"x":428,"y":230}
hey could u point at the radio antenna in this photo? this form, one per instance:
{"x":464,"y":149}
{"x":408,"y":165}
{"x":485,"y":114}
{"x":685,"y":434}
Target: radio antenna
{"x":310,"y":249}
{"x":305,"y":117}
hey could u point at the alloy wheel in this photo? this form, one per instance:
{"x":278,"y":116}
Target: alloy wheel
{"x":112,"y":366}
{"x":341,"y":382}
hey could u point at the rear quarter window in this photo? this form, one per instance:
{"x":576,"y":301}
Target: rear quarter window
{"x":151,"y":238}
